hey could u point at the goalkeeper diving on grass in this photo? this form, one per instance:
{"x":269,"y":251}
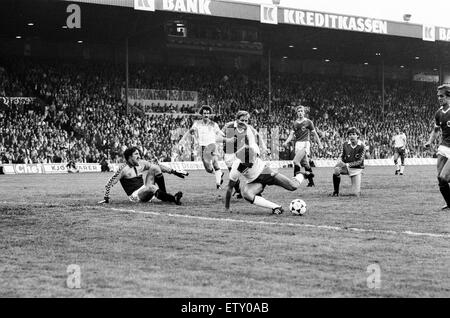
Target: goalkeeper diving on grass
{"x":140,"y":188}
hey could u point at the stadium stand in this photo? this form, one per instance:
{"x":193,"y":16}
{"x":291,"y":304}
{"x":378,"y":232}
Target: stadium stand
{"x":78,"y":113}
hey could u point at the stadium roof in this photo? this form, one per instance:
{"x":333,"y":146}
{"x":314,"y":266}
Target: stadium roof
{"x":113,"y":23}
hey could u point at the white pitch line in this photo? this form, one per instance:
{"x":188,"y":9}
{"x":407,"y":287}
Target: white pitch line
{"x":327,"y":227}
{"x":205,"y":218}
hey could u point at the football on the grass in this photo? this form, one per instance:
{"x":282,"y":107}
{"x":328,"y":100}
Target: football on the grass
{"x":297,"y":207}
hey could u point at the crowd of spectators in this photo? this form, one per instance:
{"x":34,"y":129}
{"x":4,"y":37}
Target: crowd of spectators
{"x":79,"y":113}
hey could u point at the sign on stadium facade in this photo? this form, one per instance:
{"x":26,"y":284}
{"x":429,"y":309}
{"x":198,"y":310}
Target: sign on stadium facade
{"x":273,"y":14}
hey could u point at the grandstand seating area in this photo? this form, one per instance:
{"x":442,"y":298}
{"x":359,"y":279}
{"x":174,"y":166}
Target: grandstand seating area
{"x":79,"y":114}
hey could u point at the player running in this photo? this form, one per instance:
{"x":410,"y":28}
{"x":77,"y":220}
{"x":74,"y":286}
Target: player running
{"x":239,"y":133}
{"x":302,"y":128}
{"x":351,"y":163}
{"x":399,"y":144}
{"x":257,"y":176}
{"x":207,"y":132}
{"x":442,"y":119}
{"x":131,"y":177}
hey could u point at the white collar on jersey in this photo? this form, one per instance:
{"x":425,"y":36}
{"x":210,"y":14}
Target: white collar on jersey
{"x":359,"y":143}
{"x":444,"y":111}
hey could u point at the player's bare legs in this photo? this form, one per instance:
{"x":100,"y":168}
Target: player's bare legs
{"x":211,"y":163}
{"x":301,"y":159}
{"x":443,"y":169}
{"x":290,"y":184}
{"x":153,"y":176}
{"x":356,"y":184}
{"x":299,"y":155}
{"x":252,"y":193}
{"x":339,"y":169}
{"x":397,"y":167}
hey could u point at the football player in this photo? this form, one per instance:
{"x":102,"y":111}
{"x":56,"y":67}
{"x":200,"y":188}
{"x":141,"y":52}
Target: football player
{"x":138,"y":188}
{"x":257,"y":176}
{"x":351,"y":162}
{"x":441,"y":122}
{"x":302,"y":128}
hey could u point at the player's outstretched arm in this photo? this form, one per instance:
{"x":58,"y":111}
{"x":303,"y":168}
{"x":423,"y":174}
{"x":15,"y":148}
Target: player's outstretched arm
{"x":187,"y":133}
{"x":111,"y":182}
{"x":230,"y":188}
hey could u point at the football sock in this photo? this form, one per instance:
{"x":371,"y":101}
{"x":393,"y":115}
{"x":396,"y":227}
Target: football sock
{"x":159,"y":179}
{"x":336,"y":182}
{"x":402,"y":168}
{"x":260,"y":201}
{"x":445,"y":191}
{"x":218,"y":174}
{"x":296,"y":169}
{"x":163,"y":196}
{"x":236,"y":186}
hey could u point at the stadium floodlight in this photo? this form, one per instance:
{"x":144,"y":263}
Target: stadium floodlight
{"x":30,"y":24}
{"x":18,"y":36}
{"x":314,"y":48}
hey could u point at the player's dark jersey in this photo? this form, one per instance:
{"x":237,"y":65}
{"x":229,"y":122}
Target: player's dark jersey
{"x":443,"y":120}
{"x":354,"y":155}
{"x":302,"y":130}
{"x":132,"y":184}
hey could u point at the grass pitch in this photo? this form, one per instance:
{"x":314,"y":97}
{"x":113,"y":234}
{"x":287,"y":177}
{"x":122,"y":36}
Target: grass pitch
{"x":49,"y":222}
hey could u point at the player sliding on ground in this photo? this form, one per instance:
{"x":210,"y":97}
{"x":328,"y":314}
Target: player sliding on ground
{"x":257,"y":176}
{"x":239,"y":133}
{"x":131,"y":177}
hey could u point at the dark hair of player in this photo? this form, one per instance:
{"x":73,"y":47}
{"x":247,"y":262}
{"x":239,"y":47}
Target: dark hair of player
{"x":445,"y":88}
{"x":352,"y":130}
{"x":129,"y":152}
{"x":205,"y":107}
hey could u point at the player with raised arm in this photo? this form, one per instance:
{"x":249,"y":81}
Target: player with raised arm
{"x":239,"y":133}
{"x":302,"y":129}
{"x":257,"y":176}
{"x":442,"y":123}
{"x":351,"y":163}
{"x":138,"y":189}
{"x":399,"y":144}
{"x":208,"y":134}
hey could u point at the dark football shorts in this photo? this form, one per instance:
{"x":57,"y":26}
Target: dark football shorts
{"x":400,"y":151}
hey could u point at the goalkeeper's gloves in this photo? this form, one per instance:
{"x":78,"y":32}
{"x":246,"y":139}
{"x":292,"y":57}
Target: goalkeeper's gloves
{"x":105,"y":200}
{"x":180,"y":174}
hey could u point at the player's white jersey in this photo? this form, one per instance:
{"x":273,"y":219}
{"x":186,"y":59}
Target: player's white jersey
{"x":399,"y":140}
{"x":206,"y":132}
{"x":250,"y":174}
